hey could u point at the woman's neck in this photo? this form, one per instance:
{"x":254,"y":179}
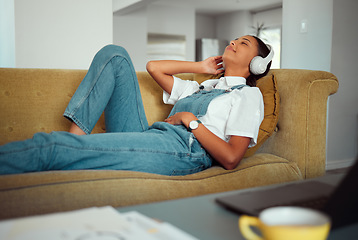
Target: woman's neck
{"x":236,"y":73}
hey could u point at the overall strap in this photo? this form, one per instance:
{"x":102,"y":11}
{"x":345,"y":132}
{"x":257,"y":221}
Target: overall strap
{"x":198,"y":102}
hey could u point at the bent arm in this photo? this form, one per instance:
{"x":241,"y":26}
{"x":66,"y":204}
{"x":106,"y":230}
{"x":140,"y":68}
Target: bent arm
{"x":163,"y":71}
{"x":228,"y":154}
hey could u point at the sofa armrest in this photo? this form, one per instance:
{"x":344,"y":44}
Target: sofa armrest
{"x":301,"y":131}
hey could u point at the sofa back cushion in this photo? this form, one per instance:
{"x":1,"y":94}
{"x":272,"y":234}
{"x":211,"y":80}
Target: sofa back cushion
{"x":33,"y":100}
{"x":268,"y":88}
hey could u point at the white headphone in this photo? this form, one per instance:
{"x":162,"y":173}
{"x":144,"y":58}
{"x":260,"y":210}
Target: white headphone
{"x":258,"y":64}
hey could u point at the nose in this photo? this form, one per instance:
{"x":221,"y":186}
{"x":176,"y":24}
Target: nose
{"x":232,"y":45}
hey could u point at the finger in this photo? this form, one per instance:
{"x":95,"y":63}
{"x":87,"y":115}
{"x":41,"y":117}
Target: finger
{"x":218,"y":59}
{"x":169,"y":120}
{"x":219,"y":71}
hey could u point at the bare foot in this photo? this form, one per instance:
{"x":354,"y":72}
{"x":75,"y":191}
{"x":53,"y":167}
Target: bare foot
{"x":76,"y":130}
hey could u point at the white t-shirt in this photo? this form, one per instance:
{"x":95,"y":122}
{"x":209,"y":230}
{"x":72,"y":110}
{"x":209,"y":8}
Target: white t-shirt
{"x":237,"y":113}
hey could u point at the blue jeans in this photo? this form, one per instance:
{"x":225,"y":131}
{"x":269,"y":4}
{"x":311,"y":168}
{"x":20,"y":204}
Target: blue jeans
{"x":130,"y":144}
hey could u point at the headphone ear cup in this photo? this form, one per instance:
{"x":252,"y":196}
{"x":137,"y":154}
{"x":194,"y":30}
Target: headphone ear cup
{"x":258,"y":65}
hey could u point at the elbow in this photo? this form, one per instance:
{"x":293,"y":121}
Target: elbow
{"x":149,"y":66}
{"x":230,"y":166}
{"x":232,"y":153}
{"x":152,"y":67}
{"x":231,"y":163}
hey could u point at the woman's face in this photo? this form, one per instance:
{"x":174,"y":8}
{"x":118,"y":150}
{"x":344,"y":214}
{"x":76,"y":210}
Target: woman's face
{"x":239,"y":53}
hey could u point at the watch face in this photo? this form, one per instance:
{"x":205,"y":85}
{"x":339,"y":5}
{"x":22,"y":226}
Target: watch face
{"x":193,"y":125}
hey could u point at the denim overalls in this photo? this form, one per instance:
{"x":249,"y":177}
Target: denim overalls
{"x":129,"y":144}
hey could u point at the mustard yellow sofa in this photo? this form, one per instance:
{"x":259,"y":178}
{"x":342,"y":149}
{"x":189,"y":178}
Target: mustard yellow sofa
{"x":33,"y":100}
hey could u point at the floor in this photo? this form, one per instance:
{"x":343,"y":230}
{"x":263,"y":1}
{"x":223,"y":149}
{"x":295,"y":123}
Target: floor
{"x":339,"y":170}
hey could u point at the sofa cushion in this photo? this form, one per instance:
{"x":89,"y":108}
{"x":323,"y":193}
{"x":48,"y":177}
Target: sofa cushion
{"x":45,"y":192}
{"x":268,"y":88}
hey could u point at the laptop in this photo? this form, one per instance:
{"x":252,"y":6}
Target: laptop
{"x":340,"y":203}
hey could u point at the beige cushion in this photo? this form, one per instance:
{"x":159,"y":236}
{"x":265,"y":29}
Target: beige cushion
{"x":268,"y":88}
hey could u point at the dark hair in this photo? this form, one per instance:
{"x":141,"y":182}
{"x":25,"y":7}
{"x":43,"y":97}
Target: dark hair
{"x":263,"y":51}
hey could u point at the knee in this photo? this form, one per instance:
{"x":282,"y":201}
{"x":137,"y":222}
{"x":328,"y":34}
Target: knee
{"x":113,"y":50}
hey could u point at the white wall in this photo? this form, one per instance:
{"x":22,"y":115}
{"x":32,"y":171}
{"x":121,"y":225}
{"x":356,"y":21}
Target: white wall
{"x":271,"y":18}
{"x":133,"y":38}
{"x":205,"y":26}
{"x":61,"y":34}
{"x":7,"y":33}
{"x":311,"y":49}
{"x":131,"y":29}
{"x":169,"y":20}
{"x":342,"y":140}
{"x":236,"y":24}
{"x":233,"y":25}
{"x":330,"y":44}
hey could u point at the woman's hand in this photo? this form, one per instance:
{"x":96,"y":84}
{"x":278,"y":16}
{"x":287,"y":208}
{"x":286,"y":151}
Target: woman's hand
{"x":162,"y":71}
{"x":213,"y":65}
{"x":181,"y":118}
{"x":228,"y":154}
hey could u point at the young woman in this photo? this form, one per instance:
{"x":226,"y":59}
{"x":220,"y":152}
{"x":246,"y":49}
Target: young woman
{"x":213,"y":122}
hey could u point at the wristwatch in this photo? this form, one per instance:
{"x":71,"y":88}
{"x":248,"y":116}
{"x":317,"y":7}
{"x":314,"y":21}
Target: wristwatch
{"x":194,"y":125}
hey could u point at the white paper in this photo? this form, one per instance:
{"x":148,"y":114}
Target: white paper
{"x":104,"y":223}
